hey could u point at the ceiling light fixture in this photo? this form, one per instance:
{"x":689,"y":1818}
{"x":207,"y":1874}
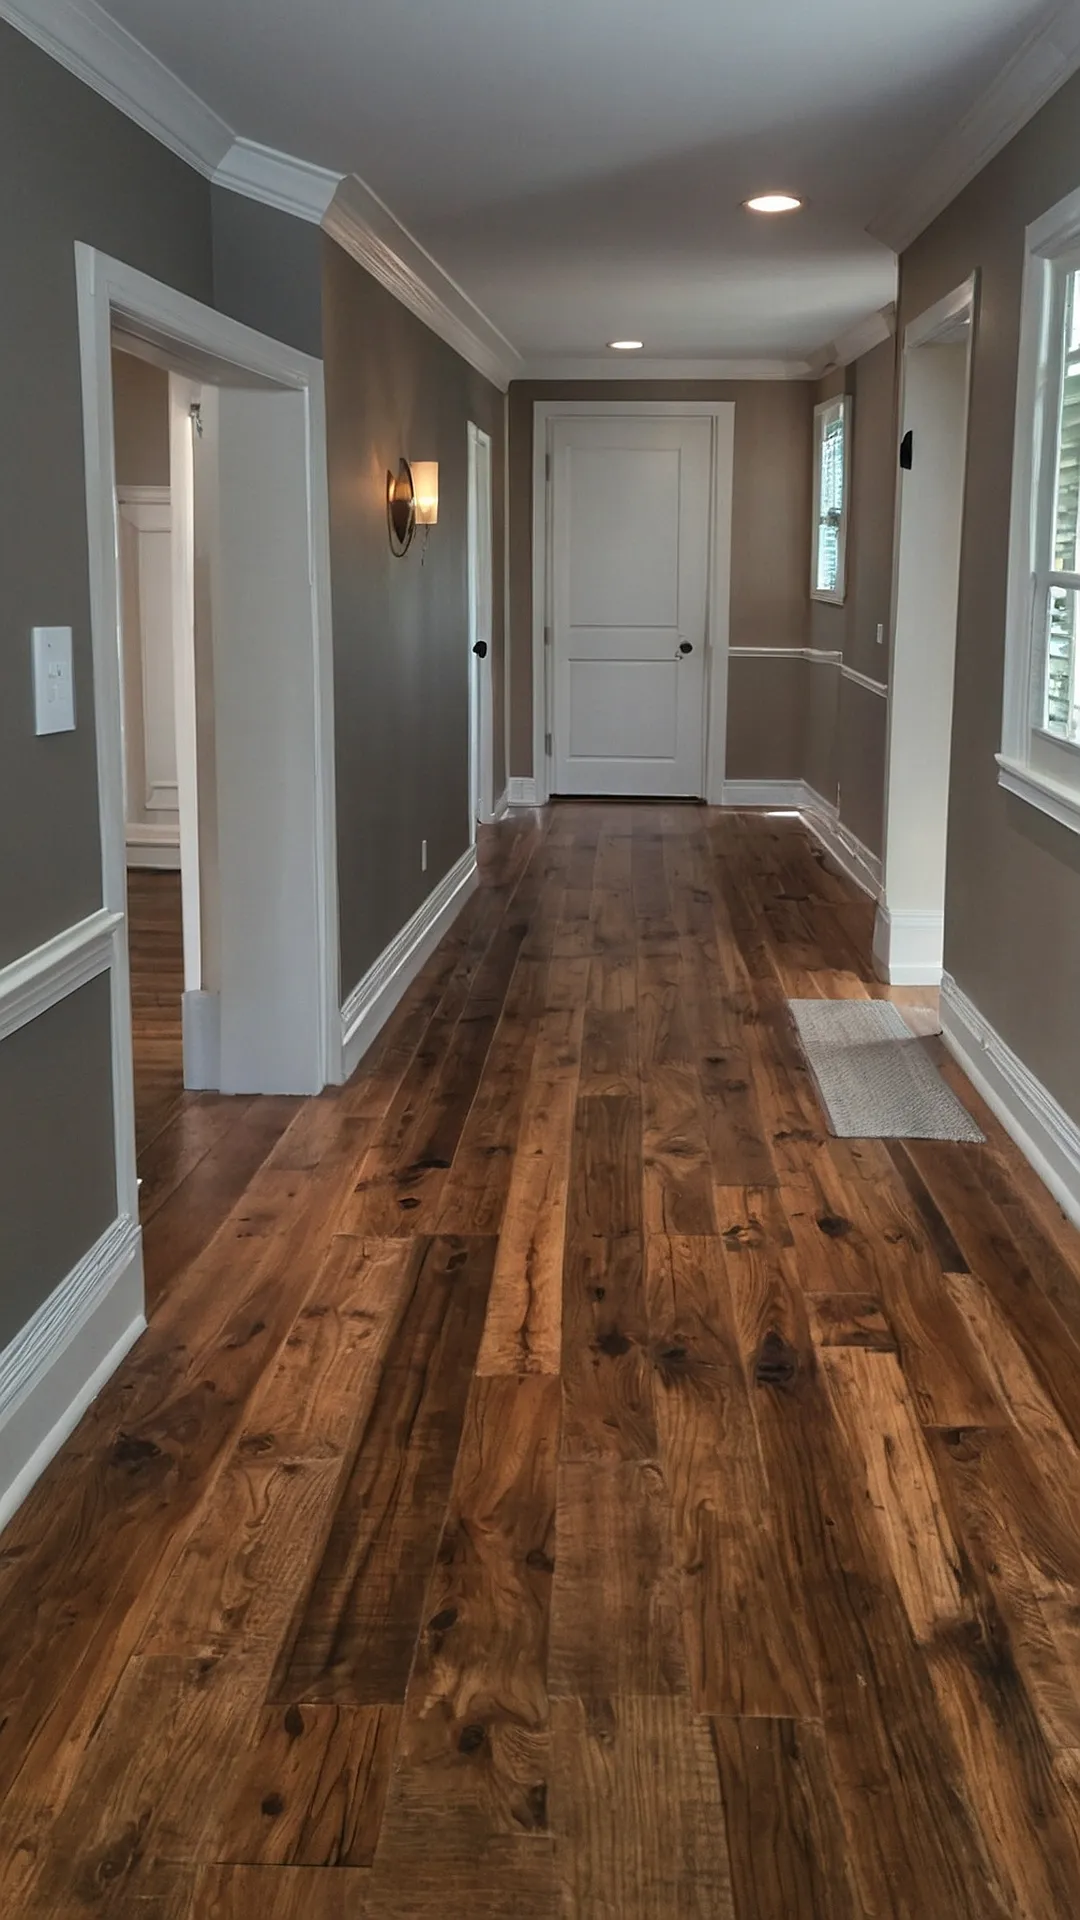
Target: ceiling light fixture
{"x":626,"y":346}
{"x":773,"y":203}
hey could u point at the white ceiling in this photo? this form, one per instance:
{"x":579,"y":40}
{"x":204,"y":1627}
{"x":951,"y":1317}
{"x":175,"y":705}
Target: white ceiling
{"x":578,"y":166}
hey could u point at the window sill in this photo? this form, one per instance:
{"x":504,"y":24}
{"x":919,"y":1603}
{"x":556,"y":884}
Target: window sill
{"x":1062,"y":803}
{"x":829,"y":599}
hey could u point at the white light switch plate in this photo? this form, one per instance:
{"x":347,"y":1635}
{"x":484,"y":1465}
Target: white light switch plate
{"x":54,"y":683}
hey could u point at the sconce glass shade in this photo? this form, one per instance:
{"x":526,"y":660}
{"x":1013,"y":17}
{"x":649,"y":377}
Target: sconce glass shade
{"x":425,"y":474}
{"x":401,"y":508}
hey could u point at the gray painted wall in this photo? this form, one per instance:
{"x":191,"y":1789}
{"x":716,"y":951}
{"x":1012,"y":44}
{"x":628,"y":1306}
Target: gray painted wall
{"x":268,"y":270}
{"x":73,"y":169}
{"x":400,"y":625}
{"x":1012,"y":910}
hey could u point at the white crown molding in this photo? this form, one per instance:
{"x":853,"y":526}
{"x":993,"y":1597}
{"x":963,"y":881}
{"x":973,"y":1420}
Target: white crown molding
{"x":364,"y":226}
{"x":863,"y":337}
{"x":1041,"y":65}
{"x":278,"y":180}
{"x":90,"y":44}
{"x":631,"y":367}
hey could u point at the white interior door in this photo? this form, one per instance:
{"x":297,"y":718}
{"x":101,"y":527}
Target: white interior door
{"x":631,"y":514}
{"x":481,"y":802}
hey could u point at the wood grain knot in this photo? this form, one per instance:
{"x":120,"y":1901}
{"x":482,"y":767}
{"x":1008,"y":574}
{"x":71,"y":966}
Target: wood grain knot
{"x":613,"y":1343}
{"x":539,"y":1561}
{"x":834,"y":1226}
{"x":777,"y":1363}
{"x":442,"y":1622}
{"x":471,"y":1739}
{"x":130,"y":1451}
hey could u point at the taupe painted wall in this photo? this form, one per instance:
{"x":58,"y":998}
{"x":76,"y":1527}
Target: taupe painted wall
{"x":268,"y":270}
{"x":770,"y":551}
{"x":1012,"y":916}
{"x":73,"y":169}
{"x":400,"y":625}
{"x":141,"y":422}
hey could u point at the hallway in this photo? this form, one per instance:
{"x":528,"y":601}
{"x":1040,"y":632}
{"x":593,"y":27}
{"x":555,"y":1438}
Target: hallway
{"x":568,"y":1481}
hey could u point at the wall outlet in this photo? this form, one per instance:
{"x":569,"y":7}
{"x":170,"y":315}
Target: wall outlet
{"x":880,"y":635}
{"x":423,"y":856}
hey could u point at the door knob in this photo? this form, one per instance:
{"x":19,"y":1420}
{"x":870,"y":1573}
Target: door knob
{"x":480,"y":649}
{"x":686,"y":646}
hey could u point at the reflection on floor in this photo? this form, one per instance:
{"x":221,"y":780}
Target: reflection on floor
{"x":568,"y":1482}
{"x":197,"y":1151}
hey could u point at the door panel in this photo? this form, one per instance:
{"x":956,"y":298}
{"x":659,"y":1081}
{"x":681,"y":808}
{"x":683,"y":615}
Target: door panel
{"x":630,"y":565}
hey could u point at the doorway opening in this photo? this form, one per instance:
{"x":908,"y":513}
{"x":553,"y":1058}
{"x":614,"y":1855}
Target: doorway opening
{"x":481,"y":601}
{"x":243,"y":782}
{"x":935,"y":380}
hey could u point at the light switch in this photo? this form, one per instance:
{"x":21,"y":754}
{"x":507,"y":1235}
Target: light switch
{"x":54,"y":683}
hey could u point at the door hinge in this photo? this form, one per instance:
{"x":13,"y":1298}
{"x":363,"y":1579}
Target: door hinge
{"x":547,"y":745}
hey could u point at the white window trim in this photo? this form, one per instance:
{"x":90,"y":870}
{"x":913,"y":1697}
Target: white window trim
{"x":1033,"y":764}
{"x":833,"y":597}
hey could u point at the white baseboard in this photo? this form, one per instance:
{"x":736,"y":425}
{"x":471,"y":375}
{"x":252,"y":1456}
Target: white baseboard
{"x":908,"y":947}
{"x":502,"y":805}
{"x":520,"y":793}
{"x":1041,"y":1128}
{"x":201,"y":1014}
{"x":788,"y":796}
{"x":59,"y":1362}
{"x":153,"y":844}
{"x":370,"y":1004}
{"x":822,"y":818}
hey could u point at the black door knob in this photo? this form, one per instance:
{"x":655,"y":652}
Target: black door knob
{"x":480,"y":649}
{"x":686,"y":646}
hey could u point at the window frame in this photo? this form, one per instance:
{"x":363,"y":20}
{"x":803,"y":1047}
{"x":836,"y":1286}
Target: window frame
{"x":839,"y":406}
{"x":1037,"y":765}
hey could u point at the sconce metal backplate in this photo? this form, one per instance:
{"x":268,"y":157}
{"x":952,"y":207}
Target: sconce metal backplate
{"x":401,"y":508}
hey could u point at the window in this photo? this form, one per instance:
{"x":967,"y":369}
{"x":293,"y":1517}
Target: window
{"x":830,"y":499}
{"x":1040,"y":756}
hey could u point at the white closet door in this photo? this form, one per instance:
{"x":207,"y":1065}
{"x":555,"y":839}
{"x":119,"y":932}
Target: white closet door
{"x":631,"y":513}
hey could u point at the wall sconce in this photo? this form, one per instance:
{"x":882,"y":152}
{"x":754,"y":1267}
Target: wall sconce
{"x":425,"y":477}
{"x":401,"y":508}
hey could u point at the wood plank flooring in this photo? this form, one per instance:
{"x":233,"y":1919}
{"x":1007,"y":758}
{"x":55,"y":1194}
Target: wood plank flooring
{"x":558,"y":1478}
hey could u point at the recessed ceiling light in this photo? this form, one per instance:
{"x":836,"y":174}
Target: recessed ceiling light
{"x":626,"y":346}
{"x":773,"y":203}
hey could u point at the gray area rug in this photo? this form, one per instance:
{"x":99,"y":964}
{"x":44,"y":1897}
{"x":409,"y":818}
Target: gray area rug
{"x":875,"y":1078}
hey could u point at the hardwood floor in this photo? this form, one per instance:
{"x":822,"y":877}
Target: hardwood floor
{"x":196,"y":1151}
{"x":567,"y":1481}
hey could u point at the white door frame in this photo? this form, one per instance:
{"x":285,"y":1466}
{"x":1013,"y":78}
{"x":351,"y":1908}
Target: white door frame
{"x":908,"y":947}
{"x":718,"y":592}
{"x":481,"y":782}
{"x":108,"y":290}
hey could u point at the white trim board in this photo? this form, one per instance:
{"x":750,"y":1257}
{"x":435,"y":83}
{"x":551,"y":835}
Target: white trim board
{"x":718,"y":603}
{"x":1046,"y":1135}
{"x":371,"y":1003}
{"x":818,"y":656}
{"x":59,"y":1361}
{"x":909,"y":947}
{"x":1041,"y":65}
{"x":644,"y":367}
{"x":820,"y":816}
{"x":86,"y":40}
{"x":373,"y":236}
{"x":59,"y":967}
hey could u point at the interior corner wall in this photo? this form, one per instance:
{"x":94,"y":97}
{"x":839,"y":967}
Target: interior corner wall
{"x":1012,"y":905}
{"x":770,"y":562}
{"x":401,"y":626}
{"x":74,"y":169}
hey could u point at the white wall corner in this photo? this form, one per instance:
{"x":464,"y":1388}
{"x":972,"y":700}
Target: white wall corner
{"x":862,"y":337}
{"x":1046,"y":1135}
{"x":373,"y":236}
{"x":908,"y":947}
{"x":278,"y":180}
{"x":58,"y":1363}
{"x":1040,"y":66}
{"x":90,"y":44}
{"x":371,"y":1003}
{"x":201,"y":1018}
{"x":521,"y":792}
{"x":502,"y":805}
